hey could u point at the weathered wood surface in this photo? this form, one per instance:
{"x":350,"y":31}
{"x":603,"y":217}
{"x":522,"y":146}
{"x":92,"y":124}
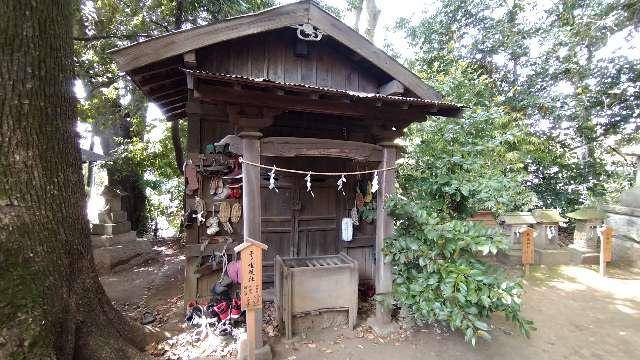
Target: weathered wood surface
{"x":174,"y":44}
{"x":252,"y":227}
{"x":146,"y":52}
{"x":384,"y":229}
{"x":393,"y":88}
{"x":307,"y":103}
{"x":528,"y":243}
{"x":273,"y":56}
{"x":293,"y":147}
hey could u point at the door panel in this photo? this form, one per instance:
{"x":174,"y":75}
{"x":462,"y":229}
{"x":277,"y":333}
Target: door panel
{"x":277,"y":222}
{"x":295,"y":223}
{"x":317,"y":220}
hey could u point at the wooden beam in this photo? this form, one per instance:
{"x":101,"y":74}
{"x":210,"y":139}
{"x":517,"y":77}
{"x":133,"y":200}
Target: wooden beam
{"x":155,"y":49}
{"x":169,"y":100}
{"x":190,"y":59}
{"x":174,"y":113}
{"x":293,"y":147}
{"x":178,"y":115}
{"x":252,"y":227}
{"x":219,"y":94}
{"x":148,"y":86}
{"x":384,"y":229}
{"x":143,"y":74}
{"x":392,"y":88}
{"x":166,"y":94}
{"x":172,"y":108}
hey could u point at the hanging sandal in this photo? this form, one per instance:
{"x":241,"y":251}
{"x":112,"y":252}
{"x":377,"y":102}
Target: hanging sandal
{"x":236,"y":212}
{"x":224,"y":212}
{"x":214,"y":227}
{"x":223,"y":194}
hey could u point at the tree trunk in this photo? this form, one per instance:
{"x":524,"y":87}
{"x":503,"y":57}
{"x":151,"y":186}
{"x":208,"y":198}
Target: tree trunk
{"x":52,"y":304}
{"x":177,"y":144}
{"x":175,"y":125}
{"x":357,"y":7}
{"x":373,"y":13}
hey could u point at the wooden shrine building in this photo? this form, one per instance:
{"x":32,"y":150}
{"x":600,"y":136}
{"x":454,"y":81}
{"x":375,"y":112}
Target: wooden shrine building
{"x":293,"y":87}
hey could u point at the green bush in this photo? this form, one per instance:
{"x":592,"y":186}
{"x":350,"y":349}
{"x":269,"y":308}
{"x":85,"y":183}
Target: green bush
{"x":453,"y":168}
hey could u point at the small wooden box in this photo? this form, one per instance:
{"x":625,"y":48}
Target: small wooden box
{"x":317,"y":283}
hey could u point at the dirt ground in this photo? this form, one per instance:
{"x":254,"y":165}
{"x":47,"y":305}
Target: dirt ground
{"x":579,"y":315}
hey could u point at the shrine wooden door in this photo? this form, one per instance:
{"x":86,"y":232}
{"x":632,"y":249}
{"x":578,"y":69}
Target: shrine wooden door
{"x":295,"y":223}
{"x":316,"y":219}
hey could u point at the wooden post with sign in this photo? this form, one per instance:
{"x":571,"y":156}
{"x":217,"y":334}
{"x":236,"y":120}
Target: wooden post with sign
{"x":251,"y":287}
{"x":606,"y":252}
{"x":528,"y":252}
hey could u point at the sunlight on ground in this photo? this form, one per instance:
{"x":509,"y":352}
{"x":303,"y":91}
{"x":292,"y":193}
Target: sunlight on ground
{"x":202,"y":341}
{"x":618,"y":288}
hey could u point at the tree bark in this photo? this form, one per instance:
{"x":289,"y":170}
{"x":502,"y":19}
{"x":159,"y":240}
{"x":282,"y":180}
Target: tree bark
{"x":52,"y":304}
{"x":373,"y":13}
{"x":175,"y":125}
{"x":357,"y":7}
{"x":177,"y":145}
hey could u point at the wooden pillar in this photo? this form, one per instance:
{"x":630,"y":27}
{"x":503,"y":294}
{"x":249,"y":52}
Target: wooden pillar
{"x":384,"y":228}
{"x":251,"y":204}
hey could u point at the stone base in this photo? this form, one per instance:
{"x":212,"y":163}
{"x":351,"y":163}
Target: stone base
{"x":98,"y":241}
{"x":510,"y":257}
{"x":123,"y":256}
{"x":110,"y":229}
{"x":263,"y":353}
{"x":581,"y":256}
{"x":551,"y":257}
{"x":383,"y":328}
{"x":112,"y":217}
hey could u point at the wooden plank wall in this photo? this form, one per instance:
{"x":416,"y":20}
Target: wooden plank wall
{"x":272,"y":55}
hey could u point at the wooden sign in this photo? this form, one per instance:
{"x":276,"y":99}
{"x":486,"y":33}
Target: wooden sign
{"x":606,"y":241}
{"x":528,"y":252}
{"x":251,"y":288}
{"x":250,"y":273}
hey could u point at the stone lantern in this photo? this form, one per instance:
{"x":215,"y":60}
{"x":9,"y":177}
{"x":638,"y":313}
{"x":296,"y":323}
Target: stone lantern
{"x":511,"y":224}
{"x":547,"y":245}
{"x":586,"y":243}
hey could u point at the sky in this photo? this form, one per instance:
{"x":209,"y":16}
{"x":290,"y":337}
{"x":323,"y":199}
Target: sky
{"x":391,"y":10}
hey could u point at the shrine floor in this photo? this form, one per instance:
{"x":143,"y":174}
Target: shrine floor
{"x":578,"y":315}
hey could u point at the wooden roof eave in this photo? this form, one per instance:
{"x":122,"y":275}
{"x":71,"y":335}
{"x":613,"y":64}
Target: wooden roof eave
{"x":139,"y":54}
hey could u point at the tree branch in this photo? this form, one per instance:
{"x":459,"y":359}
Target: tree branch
{"x":111,"y":36}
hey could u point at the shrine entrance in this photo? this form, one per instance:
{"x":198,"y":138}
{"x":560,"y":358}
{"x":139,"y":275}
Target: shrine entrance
{"x":295,"y":88}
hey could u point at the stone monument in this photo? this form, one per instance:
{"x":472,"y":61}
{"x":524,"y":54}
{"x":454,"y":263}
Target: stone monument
{"x":586,"y":242}
{"x":625,"y":220}
{"x":547,"y":245}
{"x":115,"y":246}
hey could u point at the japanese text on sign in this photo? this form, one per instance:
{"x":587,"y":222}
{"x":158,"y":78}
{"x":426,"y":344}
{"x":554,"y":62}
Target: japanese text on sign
{"x":251,"y":287}
{"x":527,"y":246}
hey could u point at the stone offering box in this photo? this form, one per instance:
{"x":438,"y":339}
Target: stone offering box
{"x":314,"y":285}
